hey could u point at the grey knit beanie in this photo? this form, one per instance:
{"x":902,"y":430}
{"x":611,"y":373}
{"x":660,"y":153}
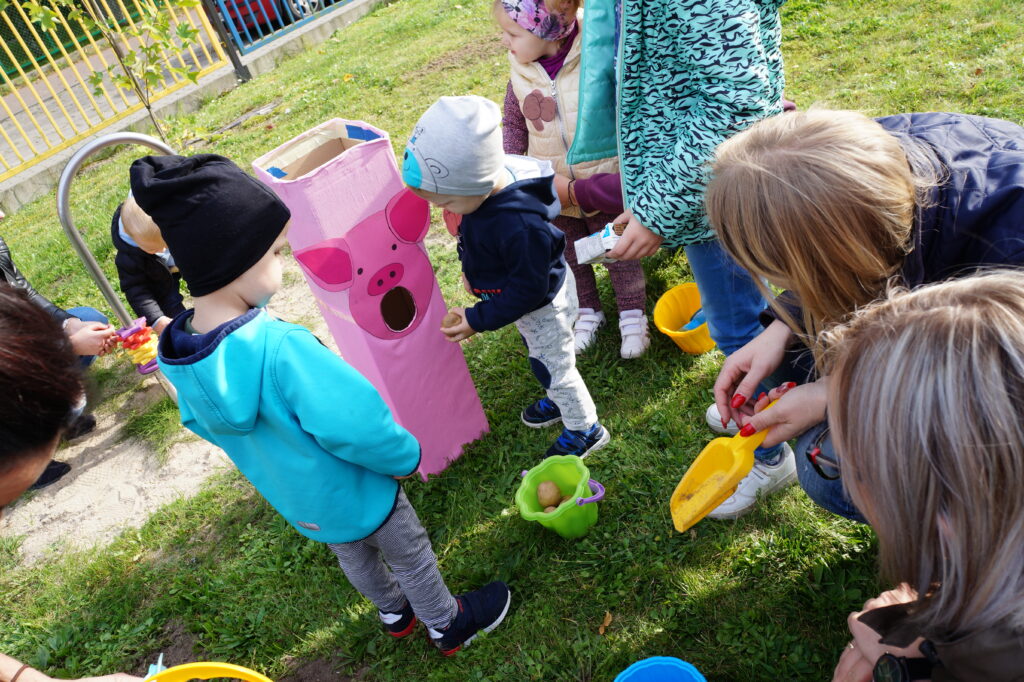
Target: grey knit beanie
{"x":456,"y":148}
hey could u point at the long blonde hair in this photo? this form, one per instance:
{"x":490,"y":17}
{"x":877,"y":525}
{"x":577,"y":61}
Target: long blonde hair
{"x":926,"y":403}
{"x":819,"y":202}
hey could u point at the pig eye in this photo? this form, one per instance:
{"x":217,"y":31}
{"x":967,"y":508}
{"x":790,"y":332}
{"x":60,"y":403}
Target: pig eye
{"x":359,"y":271}
{"x":394,"y":247}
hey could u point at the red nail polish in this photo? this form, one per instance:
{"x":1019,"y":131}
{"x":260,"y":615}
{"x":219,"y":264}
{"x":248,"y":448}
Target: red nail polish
{"x":762,"y":396}
{"x":748,"y":430}
{"x":725,"y":423}
{"x":739,"y":400}
{"x":789,"y":384}
{"x":813,"y":454}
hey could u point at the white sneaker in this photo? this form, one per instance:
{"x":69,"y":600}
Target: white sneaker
{"x":636,"y":337}
{"x":586,"y":328}
{"x":762,"y":480}
{"x":714,"y":419}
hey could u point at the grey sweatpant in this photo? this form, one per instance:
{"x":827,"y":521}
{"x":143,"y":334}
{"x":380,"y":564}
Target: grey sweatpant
{"x":550,"y":342}
{"x":402,"y":544}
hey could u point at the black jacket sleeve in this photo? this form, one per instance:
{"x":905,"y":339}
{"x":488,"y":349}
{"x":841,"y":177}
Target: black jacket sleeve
{"x":14,"y":277}
{"x":136,"y":287}
{"x":527,"y":256}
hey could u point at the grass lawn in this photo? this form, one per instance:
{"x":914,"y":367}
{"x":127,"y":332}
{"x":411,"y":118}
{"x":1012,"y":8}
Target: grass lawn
{"x":764,"y":598}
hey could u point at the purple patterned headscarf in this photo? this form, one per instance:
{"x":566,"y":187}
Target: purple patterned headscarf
{"x":534,"y":16}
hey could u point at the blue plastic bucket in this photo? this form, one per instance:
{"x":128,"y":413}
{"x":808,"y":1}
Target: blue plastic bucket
{"x":660,"y":669}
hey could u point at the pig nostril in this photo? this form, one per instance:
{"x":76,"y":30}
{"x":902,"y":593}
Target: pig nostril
{"x":380,"y":282}
{"x":392,"y":273}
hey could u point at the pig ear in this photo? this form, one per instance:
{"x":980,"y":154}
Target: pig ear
{"x":408,"y":216}
{"x":329,"y":264}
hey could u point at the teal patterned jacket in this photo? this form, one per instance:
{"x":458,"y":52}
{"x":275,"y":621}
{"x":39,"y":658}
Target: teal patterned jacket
{"x":690,"y":74}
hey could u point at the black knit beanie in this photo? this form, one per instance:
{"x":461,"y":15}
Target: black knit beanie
{"x":217,"y":221}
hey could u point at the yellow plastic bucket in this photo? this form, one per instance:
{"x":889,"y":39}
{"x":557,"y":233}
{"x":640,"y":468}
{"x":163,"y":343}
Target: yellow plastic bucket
{"x":207,"y":671}
{"x":674,"y":310}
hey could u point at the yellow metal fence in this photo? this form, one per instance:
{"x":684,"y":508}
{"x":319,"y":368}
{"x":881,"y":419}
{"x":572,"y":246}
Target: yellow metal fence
{"x":47,"y":101}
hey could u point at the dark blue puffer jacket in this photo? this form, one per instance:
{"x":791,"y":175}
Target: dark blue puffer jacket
{"x":975,"y":216}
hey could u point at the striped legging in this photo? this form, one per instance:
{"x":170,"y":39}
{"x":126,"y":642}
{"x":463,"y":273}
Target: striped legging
{"x":401,"y":544}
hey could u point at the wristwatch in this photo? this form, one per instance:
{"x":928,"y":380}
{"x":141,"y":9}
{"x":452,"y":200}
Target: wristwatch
{"x":889,"y":668}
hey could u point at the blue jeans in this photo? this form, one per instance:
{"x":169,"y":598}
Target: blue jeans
{"x":826,"y":493}
{"x":87,"y":314}
{"x":731,"y":302}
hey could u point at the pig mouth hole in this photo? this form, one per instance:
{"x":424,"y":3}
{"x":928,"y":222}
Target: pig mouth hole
{"x":398,"y":309}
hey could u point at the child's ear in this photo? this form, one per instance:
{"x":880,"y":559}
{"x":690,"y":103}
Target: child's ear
{"x":408,"y":216}
{"x":329,"y":263}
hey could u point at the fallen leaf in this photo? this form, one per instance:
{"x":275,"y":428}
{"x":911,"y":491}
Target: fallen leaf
{"x":978,"y":71}
{"x":693,"y":534}
{"x":607,"y":621}
{"x":269,"y":126}
{"x":347,"y":77}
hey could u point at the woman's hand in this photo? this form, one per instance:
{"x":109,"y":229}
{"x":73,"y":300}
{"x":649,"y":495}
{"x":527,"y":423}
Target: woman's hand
{"x":636,"y":241}
{"x":90,"y":338}
{"x":853,"y":666}
{"x":461,"y":329}
{"x":859,"y":657}
{"x":798,"y":409}
{"x":743,"y":371}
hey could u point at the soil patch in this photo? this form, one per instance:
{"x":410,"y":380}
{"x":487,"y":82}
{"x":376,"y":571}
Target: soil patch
{"x":318,"y":670}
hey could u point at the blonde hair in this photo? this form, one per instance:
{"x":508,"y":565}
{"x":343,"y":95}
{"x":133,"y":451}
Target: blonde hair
{"x":820,"y":202}
{"x":926,"y":404}
{"x":140,"y":227}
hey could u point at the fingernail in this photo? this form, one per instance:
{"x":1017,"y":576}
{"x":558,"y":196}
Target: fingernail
{"x":739,"y":400}
{"x":789,"y":384}
{"x":762,"y":396}
{"x":748,"y":430}
{"x":725,"y":423}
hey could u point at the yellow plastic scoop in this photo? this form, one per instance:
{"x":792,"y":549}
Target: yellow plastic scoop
{"x":713,"y":477}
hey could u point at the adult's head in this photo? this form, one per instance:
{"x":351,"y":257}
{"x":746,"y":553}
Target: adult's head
{"x":819,"y":202}
{"x":40,"y":376}
{"x":926,"y":402}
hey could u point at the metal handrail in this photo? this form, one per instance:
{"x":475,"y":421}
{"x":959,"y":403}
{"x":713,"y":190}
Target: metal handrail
{"x":78,"y":244}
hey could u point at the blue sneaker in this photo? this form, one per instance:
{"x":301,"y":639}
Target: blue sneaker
{"x":479,"y":611}
{"x":399,"y":624}
{"x":580,"y":443}
{"x":541,"y":413}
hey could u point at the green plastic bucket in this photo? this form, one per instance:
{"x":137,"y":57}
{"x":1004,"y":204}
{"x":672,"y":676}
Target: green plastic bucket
{"x":574,"y":517}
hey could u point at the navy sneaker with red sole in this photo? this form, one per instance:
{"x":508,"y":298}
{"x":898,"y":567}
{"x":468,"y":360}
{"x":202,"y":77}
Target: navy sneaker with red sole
{"x":479,"y":611}
{"x":399,"y":624}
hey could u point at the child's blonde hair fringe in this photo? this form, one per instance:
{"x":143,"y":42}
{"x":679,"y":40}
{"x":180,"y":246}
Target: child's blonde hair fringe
{"x":926,"y":404}
{"x":819,"y":202}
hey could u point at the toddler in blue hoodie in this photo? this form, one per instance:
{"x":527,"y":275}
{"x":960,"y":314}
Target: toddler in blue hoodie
{"x":501,"y":207}
{"x":308,"y":431}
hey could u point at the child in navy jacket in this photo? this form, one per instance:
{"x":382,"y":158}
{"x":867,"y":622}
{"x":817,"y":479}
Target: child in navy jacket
{"x":149,"y":278}
{"x":512,"y":256}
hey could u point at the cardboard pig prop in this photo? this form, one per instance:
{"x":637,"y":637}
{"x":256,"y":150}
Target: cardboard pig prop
{"x":357,"y":233}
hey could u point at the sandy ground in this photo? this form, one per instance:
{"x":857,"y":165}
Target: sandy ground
{"x":116,"y":484}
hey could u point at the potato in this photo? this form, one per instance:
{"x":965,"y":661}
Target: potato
{"x":450,"y":320}
{"x":548,"y":510}
{"x":548,"y":494}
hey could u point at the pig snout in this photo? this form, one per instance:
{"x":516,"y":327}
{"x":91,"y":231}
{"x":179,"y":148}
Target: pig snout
{"x":385,"y":279}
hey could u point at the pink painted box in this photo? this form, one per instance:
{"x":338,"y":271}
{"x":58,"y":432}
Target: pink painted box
{"x":357,"y":233}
